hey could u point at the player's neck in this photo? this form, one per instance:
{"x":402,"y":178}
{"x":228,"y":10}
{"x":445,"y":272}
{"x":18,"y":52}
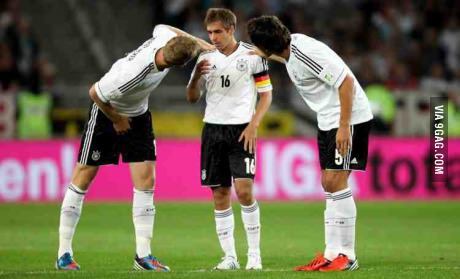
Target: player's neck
{"x":285,"y":54}
{"x":231,"y":48}
{"x":160,"y":60}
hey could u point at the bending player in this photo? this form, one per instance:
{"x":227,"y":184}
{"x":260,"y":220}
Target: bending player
{"x":328,"y":87}
{"x":120,"y":123}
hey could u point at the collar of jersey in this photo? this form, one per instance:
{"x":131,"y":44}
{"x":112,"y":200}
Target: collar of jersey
{"x":236,"y":50}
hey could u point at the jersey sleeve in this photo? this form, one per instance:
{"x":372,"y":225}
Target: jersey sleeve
{"x":260,"y":74}
{"x":321,"y":62}
{"x":121,"y":78}
{"x":162,"y":32}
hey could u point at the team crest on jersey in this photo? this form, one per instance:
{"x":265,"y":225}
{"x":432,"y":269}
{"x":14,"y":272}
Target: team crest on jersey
{"x":203,"y":174}
{"x":96,"y":155}
{"x":242,"y":65}
{"x":294,"y":73}
{"x":328,"y":77}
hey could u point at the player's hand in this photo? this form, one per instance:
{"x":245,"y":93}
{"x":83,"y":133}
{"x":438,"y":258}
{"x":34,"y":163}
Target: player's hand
{"x":207,"y":47}
{"x":122,"y":125}
{"x":258,"y":52}
{"x":249,"y":135}
{"x":202,"y":68}
{"x":343,"y":139}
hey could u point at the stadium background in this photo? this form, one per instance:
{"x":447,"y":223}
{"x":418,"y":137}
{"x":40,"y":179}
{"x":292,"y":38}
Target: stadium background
{"x":402,"y":52}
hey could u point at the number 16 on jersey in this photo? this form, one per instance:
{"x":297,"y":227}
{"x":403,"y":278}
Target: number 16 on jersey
{"x":225,"y":81}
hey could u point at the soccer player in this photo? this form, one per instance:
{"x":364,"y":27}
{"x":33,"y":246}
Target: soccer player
{"x":120,"y":123}
{"x":344,"y":116}
{"x":232,"y":79}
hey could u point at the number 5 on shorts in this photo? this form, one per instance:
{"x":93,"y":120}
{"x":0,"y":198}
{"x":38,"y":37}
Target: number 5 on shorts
{"x":338,"y":158}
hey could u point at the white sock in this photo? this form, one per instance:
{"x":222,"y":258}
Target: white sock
{"x":345,"y":221}
{"x":225,"y":225}
{"x":143,"y":219}
{"x":251,"y":220}
{"x":70,"y":214}
{"x":331,"y":233}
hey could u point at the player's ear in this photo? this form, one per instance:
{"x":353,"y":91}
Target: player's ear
{"x":232,"y":29}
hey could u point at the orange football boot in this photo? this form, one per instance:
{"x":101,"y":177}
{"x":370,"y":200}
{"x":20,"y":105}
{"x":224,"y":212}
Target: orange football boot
{"x":341,"y":263}
{"x":315,"y":264}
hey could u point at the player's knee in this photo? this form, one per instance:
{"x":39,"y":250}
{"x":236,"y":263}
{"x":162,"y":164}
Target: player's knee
{"x":83,"y":175}
{"x":244,"y":196}
{"x":221,"y":202}
{"x":243,"y":189}
{"x":334,"y":182}
{"x":147,"y":182}
{"x":87,"y":170}
{"x":221,"y":197}
{"x":151,"y":181}
{"x":329,"y":182}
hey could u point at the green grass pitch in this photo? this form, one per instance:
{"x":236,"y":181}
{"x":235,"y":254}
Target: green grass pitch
{"x":394,"y":240}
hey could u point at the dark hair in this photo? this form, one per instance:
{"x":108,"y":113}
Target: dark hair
{"x":227,"y":17}
{"x":269,"y":34}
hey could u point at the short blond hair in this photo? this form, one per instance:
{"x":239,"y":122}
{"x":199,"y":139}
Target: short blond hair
{"x":179,"y":50}
{"x":227,"y":17}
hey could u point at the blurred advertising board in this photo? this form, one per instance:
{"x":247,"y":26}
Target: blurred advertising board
{"x":287,"y":169}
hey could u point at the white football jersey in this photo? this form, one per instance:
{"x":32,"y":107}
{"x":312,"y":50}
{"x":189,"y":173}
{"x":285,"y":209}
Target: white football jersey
{"x":317,"y":72}
{"x":131,"y":79}
{"x":231,"y":86}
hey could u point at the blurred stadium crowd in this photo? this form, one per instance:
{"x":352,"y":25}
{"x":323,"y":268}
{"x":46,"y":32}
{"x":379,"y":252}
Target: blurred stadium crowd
{"x":402,"y":52}
{"x":401,"y":44}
